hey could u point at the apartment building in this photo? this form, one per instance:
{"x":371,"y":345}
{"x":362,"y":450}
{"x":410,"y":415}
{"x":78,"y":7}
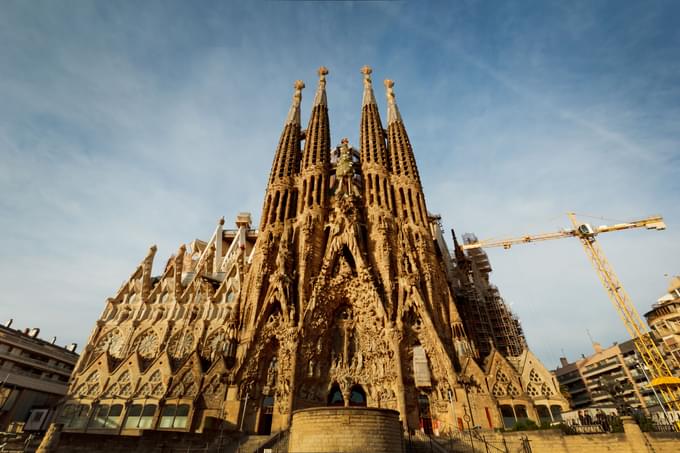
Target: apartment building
{"x":34,"y":375}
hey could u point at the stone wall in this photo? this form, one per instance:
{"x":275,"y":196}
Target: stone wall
{"x":149,"y":442}
{"x":632,"y":440}
{"x":345,"y":429}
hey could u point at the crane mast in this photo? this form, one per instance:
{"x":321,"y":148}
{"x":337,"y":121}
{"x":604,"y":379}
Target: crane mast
{"x":662,"y":379}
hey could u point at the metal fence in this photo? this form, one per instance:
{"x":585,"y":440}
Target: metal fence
{"x":470,"y":441}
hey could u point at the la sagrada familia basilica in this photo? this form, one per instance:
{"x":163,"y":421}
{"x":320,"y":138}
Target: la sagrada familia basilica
{"x":346,"y":295}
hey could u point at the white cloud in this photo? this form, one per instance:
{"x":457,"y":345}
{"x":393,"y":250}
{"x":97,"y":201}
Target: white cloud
{"x":124,"y":127}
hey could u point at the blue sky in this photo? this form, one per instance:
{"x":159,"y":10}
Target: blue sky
{"x":125,"y":124}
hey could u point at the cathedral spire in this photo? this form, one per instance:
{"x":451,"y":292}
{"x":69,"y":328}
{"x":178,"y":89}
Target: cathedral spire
{"x":318,"y":138}
{"x":286,"y":165}
{"x":401,"y":152}
{"x":287,"y":158}
{"x":374,"y":161}
{"x":410,"y":201}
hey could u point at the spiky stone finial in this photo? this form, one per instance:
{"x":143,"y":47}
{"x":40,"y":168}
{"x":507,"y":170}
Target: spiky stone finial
{"x":294,"y":112}
{"x":369,"y":98}
{"x":320,"y":97}
{"x":323,"y":72}
{"x":392,"y":109}
{"x":389,"y":86}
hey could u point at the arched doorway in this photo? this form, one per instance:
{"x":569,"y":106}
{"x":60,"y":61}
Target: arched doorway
{"x":424,"y":412}
{"x":357,"y":396}
{"x":335,"y":396}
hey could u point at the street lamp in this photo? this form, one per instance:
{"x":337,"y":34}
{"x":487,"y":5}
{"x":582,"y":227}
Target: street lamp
{"x":467,"y":382}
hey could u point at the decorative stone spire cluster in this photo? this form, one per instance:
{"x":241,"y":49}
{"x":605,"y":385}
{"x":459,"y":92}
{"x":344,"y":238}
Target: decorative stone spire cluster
{"x":344,"y":295}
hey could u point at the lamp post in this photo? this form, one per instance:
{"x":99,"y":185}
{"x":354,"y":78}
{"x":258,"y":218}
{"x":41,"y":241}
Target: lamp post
{"x":466,"y":382}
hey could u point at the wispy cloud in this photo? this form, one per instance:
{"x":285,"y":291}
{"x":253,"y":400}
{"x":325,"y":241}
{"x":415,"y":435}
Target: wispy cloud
{"x":123,"y":126}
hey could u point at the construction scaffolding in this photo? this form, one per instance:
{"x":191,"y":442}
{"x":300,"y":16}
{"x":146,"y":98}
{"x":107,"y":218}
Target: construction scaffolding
{"x":489,"y":321}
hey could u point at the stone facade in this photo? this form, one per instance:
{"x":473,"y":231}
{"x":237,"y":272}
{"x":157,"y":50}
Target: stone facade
{"x":343,"y":296}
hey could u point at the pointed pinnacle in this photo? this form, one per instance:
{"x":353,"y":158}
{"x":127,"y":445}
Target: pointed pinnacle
{"x":320,"y":97}
{"x":368,"y":98}
{"x":294,"y":112}
{"x":393,"y":114}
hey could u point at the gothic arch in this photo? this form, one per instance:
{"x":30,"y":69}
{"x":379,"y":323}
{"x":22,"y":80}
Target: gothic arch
{"x":335,"y":397}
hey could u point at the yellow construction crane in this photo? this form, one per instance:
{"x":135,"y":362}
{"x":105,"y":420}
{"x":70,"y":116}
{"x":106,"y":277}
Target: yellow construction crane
{"x":662,"y":379}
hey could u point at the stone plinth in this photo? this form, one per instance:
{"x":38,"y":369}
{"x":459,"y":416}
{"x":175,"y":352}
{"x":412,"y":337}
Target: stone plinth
{"x":345,"y":429}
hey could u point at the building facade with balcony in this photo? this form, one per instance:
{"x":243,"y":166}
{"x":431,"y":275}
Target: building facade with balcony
{"x":664,"y":321}
{"x":34,"y":376}
{"x":612,"y":377}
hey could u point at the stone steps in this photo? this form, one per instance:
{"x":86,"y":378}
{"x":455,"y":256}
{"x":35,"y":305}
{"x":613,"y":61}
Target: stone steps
{"x":252,"y":443}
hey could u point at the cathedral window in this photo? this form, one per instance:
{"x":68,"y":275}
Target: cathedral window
{"x":556,"y":412}
{"x":304,"y":195}
{"x":394,"y":207}
{"x":403,"y":202}
{"x":318,"y":190}
{"x":174,"y":416}
{"x":66,"y":414}
{"x":521,"y":412}
{"x":282,"y":210}
{"x":543,"y":414}
{"x":508,"y":416}
{"x":377,"y":191}
{"x":387,"y":198}
{"x":274,"y":208}
{"x":293,"y":204}
{"x":140,"y":416}
{"x":310,"y":194}
{"x":80,"y":417}
{"x":74,"y":415}
{"x":420,"y":207}
{"x":357,"y":396}
{"x":335,"y":396}
{"x":106,"y":417}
